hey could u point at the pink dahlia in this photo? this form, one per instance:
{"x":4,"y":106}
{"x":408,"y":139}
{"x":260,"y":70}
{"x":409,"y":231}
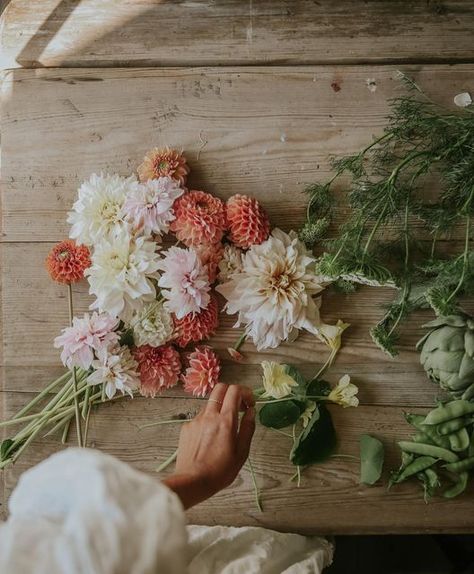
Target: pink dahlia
{"x":247,"y":221}
{"x":184,"y":282}
{"x":195,"y":327}
{"x":200,"y":218}
{"x":164,"y":162}
{"x":67,"y":261}
{"x":202,"y":375}
{"x":159,"y":368}
{"x":210,"y":256}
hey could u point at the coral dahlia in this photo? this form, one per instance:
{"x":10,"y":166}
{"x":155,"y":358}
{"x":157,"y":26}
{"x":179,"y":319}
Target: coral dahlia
{"x":210,"y":256}
{"x":202,"y":375}
{"x":195,"y":327}
{"x":159,"y":368}
{"x":200,"y":218}
{"x":247,"y":221}
{"x":67,"y":261}
{"x":164,"y":162}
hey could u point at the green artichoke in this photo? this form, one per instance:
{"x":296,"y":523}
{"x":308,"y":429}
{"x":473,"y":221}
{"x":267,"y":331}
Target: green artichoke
{"x":447,"y":354}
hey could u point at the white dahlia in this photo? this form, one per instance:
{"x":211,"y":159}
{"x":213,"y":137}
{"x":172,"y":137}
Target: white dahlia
{"x":120,"y":275}
{"x":273,"y":293}
{"x":153,"y":325}
{"x":149,"y":207}
{"x":116,"y":369}
{"x":230,"y":263}
{"x":97,"y":212}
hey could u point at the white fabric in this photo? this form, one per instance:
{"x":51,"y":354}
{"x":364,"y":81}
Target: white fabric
{"x":85,"y":512}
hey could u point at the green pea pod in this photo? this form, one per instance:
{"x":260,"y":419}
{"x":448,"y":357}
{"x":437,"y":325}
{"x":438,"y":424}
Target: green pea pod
{"x":459,"y":486}
{"x":461,"y":465}
{"x":430,"y":434}
{"x":448,"y":411}
{"x":429,"y":479}
{"x":418,"y":465}
{"x":459,"y":440}
{"x":452,"y":426}
{"x":428,"y":450}
{"x":470,"y":452}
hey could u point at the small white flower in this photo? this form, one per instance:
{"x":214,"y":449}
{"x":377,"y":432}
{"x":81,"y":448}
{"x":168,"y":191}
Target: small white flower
{"x":344,"y":393}
{"x":152,"y":325}
{"x":276,"y":381}
{"x":230,"y":263}
{"x":120,"y":275}
{"x":331,"y":334}
{"x":97,"y":213}
{"x":307,"y":414}
{"x":149,"y":207}
{"x":116,"y":369}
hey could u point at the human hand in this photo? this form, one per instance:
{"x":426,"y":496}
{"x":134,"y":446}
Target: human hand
{"x":213,"y":446}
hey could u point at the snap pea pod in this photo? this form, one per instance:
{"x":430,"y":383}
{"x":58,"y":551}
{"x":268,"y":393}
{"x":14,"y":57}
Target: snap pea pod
{"x":452,"y":426}
{"x":418,"y":465}
{"x":430,"y":481}
{"x":459,"y":486}
{"x":470,"y":452}
{"x":448,"y":411}
{"x":461,"y":465}
{"x":431,"y":436}
{"x":428,"y":450}
{"x":459,"y":440}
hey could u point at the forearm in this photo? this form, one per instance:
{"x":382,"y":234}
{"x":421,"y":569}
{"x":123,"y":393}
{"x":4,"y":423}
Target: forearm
{"x":189,"y":489}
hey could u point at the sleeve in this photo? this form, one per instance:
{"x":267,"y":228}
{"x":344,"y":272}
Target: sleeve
{"x":82,"y":511}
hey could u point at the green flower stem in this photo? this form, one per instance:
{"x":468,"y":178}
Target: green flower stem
{"x":256,"y":490}
{"x":58,"y":426}
{"x":168,"y":461}
{"x":86,"y":426}
{"x":350,"y":456}
{"x":86,"y":403}
{"x":167,"y":422}
{"x":74,"y":376}
{"x":465,"y":254}
{"x":66,"y":431}
{"x":64,"y":377}
{"x":240,"y":341}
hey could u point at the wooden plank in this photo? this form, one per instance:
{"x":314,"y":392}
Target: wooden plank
{"x":39,"y":33}
{"x":308,"y":509}
{"x":266,"y":132}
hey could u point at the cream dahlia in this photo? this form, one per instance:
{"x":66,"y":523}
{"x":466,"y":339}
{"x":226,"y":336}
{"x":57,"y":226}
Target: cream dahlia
{"x":116,"y":369}
{"x":164,"y":162}
{"x":200,"y":218}
{"x":67,"y":261}
{"x":120,"y":275}
{"x":247,"y":221}
{"x":202,"y":375}
{"x":93,"y":332}
{"x":184,"y":282}
{"x":97,"y":213}
{"x":149,"y":207}
{"x":210,"y":256}
{"x":230,"y":263}
{"x":152,"y":325}
{"x":159,"y":368}
{"x":195,"y":327}
{"x":273,"y":293}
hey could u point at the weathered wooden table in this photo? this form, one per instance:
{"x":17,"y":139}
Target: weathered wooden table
{"x":263,"y":92}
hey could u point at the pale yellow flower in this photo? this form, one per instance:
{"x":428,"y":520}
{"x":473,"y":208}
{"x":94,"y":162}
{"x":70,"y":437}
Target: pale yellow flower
{"x":276,"y":381}
{"x":308,"y":413}
{"x":331,"y":334}
{"x":344,"y":393}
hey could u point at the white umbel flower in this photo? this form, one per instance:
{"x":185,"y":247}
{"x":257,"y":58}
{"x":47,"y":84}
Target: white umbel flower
{"x":97,"y":212}
{"x":153,"y":325}
{"x":120,"y":275}
{"x":273,"y":293}
{"x":116,"y":369}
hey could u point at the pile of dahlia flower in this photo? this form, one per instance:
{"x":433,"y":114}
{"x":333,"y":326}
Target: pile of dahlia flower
{"x":162,"y":260}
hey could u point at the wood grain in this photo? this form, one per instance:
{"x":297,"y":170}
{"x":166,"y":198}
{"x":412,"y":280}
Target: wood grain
{"x":330,"y":499}
{"x":38,"y":33}
{"x":267,"y":131}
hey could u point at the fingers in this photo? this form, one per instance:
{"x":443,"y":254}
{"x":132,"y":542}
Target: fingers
{"x":237,"y":398}
{"x":216,"y":398}
{"x":244,"y":438}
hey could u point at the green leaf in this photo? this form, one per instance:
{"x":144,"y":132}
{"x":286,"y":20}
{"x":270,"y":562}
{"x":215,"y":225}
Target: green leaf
{"x":318,"y":440}
{"x":293,"y":372}
{"x":5,"y":446}
{"x":126,"y":339}
{"x":318,"y":388}
{"x":371,"y":459}
{"x":282,"y":414}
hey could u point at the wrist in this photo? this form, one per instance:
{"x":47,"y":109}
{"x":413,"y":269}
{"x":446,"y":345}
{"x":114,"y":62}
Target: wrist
{"x":191,"y":489}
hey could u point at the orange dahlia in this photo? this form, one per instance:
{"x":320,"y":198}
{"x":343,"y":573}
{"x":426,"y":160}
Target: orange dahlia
{"x":202,"y":375}
{"x":159,"y":368}
{"x":247,"y":221}
{"x":199,"y":218}
{"x":164,"y":162}
{"x":210,"y":255}
{"x":67,"y":261}
{"x":195,"y":327}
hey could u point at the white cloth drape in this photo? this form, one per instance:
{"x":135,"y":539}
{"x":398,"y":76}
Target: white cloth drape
{"x":85,"y":512}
